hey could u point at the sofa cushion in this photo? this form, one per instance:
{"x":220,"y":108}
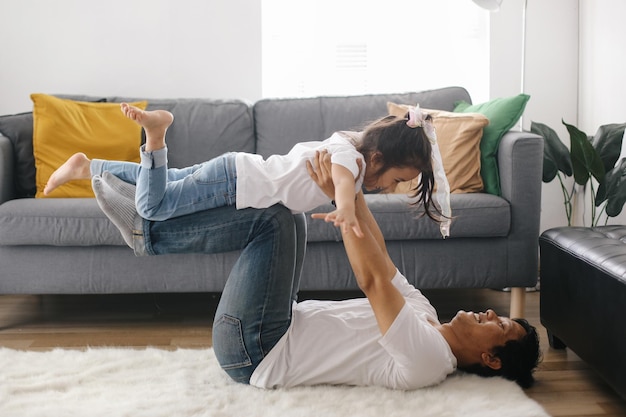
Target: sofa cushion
{"x":203,"y":128}
{"x":502,"y":113}
{"x":63,"y":127}
{"x":281,"y":123}
{"x":19,"y":129}
{"x":458,"y":137}
{"x":80,"y":222}
{"x":56,"y":222}
{"x":474,"y":215}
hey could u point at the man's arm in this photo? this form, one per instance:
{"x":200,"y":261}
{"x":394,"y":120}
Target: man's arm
{"x":373,"y":267}
{"x":368,"y":255}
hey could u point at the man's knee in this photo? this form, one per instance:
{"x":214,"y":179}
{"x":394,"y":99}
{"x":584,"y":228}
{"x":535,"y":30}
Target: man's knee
{"x":287,"y":220}
{"x":228,"y":342}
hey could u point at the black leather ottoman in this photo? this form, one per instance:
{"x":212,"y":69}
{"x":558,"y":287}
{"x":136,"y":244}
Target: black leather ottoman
{"x":583,"y":296}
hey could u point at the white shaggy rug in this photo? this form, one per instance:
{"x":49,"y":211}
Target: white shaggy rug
{"x":115,"y":382}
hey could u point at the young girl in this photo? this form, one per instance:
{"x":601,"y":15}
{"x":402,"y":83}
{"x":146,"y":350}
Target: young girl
{"x":391,"y":149}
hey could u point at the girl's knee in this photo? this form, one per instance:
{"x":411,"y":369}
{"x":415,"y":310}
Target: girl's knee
{"x":151,"y":214}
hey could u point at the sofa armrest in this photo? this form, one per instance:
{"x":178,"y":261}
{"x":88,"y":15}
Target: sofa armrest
{"x":520,"y":165}
{"x":7,"y":185}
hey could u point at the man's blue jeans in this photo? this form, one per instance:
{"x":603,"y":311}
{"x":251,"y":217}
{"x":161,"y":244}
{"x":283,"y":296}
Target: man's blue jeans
{"x":254,"y":311}
{"x":163,"y":193}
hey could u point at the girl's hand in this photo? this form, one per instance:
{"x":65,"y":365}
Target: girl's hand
{"x":346,"y":219}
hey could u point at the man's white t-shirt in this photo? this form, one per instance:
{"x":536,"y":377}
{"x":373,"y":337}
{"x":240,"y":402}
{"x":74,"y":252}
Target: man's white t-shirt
{"x":284,"y":179}
{"x":339,"y":342}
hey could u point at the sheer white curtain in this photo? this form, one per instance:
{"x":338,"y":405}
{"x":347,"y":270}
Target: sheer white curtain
{"x":342,"y":47}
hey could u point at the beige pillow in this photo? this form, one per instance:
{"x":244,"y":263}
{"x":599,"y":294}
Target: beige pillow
{"x":458,"y":135}
{"x":63,"y":127}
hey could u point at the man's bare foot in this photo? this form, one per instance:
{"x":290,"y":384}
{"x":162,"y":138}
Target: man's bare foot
{"x":154,"y":122}
{"x":75,"y":168}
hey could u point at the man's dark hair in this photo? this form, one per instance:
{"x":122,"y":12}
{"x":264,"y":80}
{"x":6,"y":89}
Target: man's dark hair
{"x":519,"y":358}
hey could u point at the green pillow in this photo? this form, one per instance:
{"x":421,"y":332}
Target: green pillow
{"x":502,"y":113}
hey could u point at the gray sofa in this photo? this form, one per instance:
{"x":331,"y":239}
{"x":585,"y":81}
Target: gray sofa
{"x":68,"y":246}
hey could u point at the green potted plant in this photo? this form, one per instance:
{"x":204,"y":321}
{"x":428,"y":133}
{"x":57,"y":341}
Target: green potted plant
{"x":587,"y":159}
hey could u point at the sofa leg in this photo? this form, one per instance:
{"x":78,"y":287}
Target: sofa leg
{"x":518,"y":300}
{"x":555,"y":342}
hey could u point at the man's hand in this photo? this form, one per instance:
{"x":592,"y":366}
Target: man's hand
{"x":320,"y":173}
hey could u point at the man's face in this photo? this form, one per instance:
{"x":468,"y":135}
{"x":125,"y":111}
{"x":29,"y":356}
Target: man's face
{"x":481,"y":332}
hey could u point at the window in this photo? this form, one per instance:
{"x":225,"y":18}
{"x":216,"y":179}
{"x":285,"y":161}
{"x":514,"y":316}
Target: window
{"x":345,"y":47}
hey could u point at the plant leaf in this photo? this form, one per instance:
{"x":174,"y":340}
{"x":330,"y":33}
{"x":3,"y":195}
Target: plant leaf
{"x":585,"y":160}
{"x":556,"y":156}
{"x":608,"y":143}
{"x":613,"y":189}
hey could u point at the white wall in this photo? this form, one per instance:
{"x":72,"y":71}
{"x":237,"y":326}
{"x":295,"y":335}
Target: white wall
{"x":574,"y":72}
{"x":146,"y":48}
{"x":550,"y":76}
{"x":602,"y":68}
{"x":198,"y":48}
{"x":602,"y":63}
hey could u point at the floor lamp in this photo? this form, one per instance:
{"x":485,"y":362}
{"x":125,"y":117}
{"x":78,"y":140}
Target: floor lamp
{"x":493,"y":6}
{"x":518,"y":295}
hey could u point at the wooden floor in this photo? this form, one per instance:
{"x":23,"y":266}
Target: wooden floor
{"x":565,"y":385}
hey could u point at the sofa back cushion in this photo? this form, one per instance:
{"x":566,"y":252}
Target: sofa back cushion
{"x":281,"y":123}
{"x":202,"y":129}
{"x":19,"y":129}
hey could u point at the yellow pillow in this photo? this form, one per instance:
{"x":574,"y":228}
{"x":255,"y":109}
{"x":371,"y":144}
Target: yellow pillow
{"x":458,"y":136}
{"x":63,"y":127}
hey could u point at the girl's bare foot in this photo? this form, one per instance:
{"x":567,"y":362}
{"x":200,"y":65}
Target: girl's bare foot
{"x":154,"y":122}
{"x":75,"y":168}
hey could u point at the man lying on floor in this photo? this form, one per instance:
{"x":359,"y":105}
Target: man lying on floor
{"x":264,"y":337}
